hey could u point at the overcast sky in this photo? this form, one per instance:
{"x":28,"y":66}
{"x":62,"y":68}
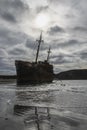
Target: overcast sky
{"x":64,"y":28}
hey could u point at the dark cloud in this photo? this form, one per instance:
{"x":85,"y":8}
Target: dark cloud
{"x":82,"y":54}
{"x":6,"y":67}
{"x":30,"y":43}
{"x":22,"y":50}
{"x":33,"y":44}
{"x":55,"y":29}
{"x":9,"y":17}
{"x":10,"y":37}
{"x":62,"y":58}
{"x":12,"y":10}
{"x":17,"y":52}
{"x":42,"y":9}
{"x":72,"y":42}
{"x":70,"y":16}
{"x":80,"y":28}
{"x":3,"y":53}
{"x":66,"y":44}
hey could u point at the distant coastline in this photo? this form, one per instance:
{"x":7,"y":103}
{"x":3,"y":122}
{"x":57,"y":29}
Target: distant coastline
{"x":76,"y":74}
{"x":8,"y":76}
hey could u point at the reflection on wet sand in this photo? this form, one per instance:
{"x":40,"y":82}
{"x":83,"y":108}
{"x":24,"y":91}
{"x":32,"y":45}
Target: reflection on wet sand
{"x":47,"y":118}
{"x":37,"y":116}
{"x":33,"y":116}
{"x":44,"y":107}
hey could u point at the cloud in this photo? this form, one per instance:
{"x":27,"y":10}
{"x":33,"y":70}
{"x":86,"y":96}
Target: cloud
{"x":82,"y":54}
{"x":30,"y":43}
{"x":66,"y":45}
{"x":6,"y":67}
{"x":55,"y":29}
{"x":9,"y":17}
{"x":80,"y":28}
{"x":65,"y":33}
{"x":21,"y":52}
{"x":34,"y":45}
{"x":10,"y":37}
{"x":72,"y":12}
{"x":12,"y":10}
{"x":62,"y":59}
{"x":33,"y":4}
{"x":17,"y":52}
{"x":40,"y":9}
{"x":71,"y":42}
{"x":3,"y":53}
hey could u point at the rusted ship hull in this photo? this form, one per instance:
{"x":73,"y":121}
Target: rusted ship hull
{"x":33,"y":73}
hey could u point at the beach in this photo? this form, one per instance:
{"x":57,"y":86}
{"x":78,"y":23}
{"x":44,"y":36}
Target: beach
{"x":60,"y":105}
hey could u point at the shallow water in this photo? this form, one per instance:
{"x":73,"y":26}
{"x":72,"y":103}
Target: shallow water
{"x":61,"y":105}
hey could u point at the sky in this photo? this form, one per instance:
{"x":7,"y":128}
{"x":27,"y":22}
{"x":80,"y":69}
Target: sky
{"x":64,"y":27}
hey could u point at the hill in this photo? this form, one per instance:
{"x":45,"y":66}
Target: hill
{"x":77,"y":74}
{"x":7,"y":76}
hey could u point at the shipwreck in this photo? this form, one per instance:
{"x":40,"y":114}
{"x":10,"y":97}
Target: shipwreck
{"x":34,"y":72}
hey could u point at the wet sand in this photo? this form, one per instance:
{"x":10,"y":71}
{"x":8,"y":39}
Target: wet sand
{"x":43,"y":111}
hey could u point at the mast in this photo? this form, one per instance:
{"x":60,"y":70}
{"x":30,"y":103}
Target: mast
{"x":39,"y":42}
{"x":48,"y":54}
